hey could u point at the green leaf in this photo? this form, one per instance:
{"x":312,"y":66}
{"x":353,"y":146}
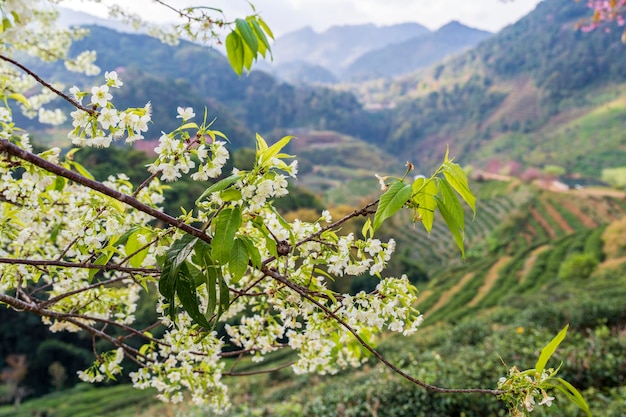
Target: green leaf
{"x":264,"y":44}
{"x":452,"y":202}
{"x":253,"y":251}
{"x":265,"y":27}
{"x":247,"y":34}
{"x":213,"y":274}
{"x":393,"y":200}
{"x":450,"y":219}
{"x":227,"y":222}
{"x":274,"y":150}
{"x":367,"y":231}
{"x":103,"y":259}
{"x":235,"y":51}
{"x":573,"y":394}
{"x":231,"y":195}
{"x":59,"y":183}
{"x":186,"y":291}
{"x":261,"y":145}
{"x":133,"y":244}
{"x":549,"y":349}
{"x":458,"y":180}
{"x":20,"y":98}
{"x":219,"y":186}
{"x":124,"y":238}
{"x":81,"y":170}
{"x":174,"y":257}
{"x":424,"y":192}
{"x":224,"y":296}
{"x":248,"y":57}
{"x":238,"y":264}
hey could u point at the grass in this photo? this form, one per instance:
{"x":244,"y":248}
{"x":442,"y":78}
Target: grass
{"x":85,"y":401}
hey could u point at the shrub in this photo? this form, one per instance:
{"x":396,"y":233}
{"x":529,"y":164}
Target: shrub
{"x":578,"y":266}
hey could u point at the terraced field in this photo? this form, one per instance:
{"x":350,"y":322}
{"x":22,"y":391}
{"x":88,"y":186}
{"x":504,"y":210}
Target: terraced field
{"x":507,"y":221}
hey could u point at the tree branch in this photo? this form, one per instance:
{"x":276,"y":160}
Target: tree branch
{"x":47,"y":85}
{"x":14,"y":150}
{"x":62,"y":264}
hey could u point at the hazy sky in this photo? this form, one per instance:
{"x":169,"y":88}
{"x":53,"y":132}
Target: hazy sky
{"x":287,"y":15}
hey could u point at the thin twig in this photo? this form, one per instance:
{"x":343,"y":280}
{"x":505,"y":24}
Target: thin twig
{"x":48,"y":85}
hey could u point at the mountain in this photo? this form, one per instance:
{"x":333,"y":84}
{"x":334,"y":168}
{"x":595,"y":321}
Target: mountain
{"x":339,"y":46}
{"x":418,"y":52}
{"x":539,"y":93}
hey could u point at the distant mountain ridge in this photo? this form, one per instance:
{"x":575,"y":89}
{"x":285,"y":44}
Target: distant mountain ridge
{"x":357,"y":52}
{"x":339,"y":46}
{"x":415,"y":53}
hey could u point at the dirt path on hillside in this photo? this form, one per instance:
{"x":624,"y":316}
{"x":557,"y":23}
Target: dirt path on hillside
{"x":558,"y":218}
{"x":530,"y":261}
{"x":447,"y":295}
{"x":490,"y":279}
{"x":576,"y":211}
{"x":543,"y":223}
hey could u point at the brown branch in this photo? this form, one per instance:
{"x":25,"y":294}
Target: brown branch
{"x":48,"y":85}
{"x":19,"y":305}
{"x":16,"y":151}
{"x":62,"y":264}
{"x":364,"y":211}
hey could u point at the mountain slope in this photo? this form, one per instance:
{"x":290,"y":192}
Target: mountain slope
{"x":419,"y":52}
{"x":539,"y":93}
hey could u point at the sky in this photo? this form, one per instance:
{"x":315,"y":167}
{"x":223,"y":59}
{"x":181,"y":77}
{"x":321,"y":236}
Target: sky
{"x":288,"y":15}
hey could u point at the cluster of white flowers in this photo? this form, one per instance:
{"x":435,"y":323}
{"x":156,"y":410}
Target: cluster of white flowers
{"x":184,"y":360}
{"x":177,"y":150}
{"x":392,"y":304}
{"x":108,"y":365}
{"x":105,"y":123}
{"x":523,"y":391}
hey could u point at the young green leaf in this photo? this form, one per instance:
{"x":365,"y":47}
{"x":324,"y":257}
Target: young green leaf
{"x":393,"y":200}
{"x":450,"y":219}
{"x":219,"y":186}
{"x":133,"y":244}
{"x":549,"y":349}
{"x":451,"y":200}
{"x":227,"y":222}
{"x":265,"y":27}
{"x":235,"y":51}
{"x":456,"y":177}
{"x":274,"y":150}
{"x":424,"y":191}
{"x":573,"y":394}
{"x":261,"y":145}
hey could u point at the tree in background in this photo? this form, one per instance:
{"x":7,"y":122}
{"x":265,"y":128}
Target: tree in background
{"x":78,"y":252}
